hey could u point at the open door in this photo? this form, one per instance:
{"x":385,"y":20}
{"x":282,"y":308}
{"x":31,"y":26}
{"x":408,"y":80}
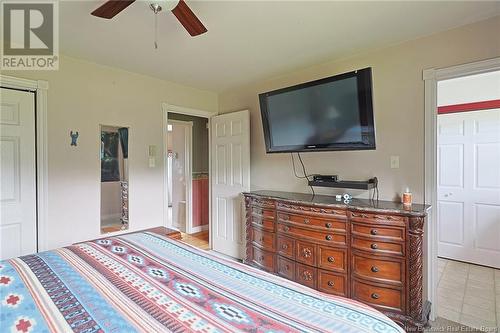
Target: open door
{"x":231,"y":176}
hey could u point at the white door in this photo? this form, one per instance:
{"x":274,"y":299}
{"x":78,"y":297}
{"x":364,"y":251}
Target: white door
{"x":469,"y":187}
{"x":181,"y":170}
{"x":17,"y":173}
{"x":231,"y":176}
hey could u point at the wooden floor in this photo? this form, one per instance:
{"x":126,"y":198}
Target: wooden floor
{"x":111,"y":229}
{"x":200,"y":240}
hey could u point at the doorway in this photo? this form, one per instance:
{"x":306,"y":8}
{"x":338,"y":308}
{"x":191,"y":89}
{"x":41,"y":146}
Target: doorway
{"x":463,"y":186}
{"x":187,"y":169}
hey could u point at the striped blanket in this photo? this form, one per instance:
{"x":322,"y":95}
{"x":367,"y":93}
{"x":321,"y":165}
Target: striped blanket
{"x":143,"y":282}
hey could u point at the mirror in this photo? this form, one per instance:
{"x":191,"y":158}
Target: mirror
{"x":114,"y":178}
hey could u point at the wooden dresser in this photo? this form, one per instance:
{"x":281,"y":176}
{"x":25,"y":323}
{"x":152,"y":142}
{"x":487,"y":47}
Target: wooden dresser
{"x":365,"y":250}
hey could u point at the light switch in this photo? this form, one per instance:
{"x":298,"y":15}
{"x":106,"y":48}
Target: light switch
{"x":152,"y":162}
{"x":394,"y":162}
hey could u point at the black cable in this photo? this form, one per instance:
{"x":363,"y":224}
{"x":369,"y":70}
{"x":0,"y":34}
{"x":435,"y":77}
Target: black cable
{"x":295,"y":171}
{"x":305,"y":174}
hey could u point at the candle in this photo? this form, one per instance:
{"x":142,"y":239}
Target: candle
{"x":407,"y":198}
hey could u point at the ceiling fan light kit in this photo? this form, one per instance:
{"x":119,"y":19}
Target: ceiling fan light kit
{"x":179,"y":8}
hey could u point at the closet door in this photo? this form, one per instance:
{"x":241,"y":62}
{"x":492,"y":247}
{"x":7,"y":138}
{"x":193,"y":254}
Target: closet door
{"x":469,"y":186}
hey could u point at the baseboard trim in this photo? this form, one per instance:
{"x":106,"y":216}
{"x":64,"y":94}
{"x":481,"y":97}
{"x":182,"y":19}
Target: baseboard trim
{"x":199,"y":228}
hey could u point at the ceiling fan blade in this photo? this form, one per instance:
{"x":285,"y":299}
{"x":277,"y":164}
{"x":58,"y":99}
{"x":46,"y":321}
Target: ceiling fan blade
{"x":111,"y":8}
{"x":187,"y":18}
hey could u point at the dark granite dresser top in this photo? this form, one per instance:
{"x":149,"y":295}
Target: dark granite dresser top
{"x":355,"y":204}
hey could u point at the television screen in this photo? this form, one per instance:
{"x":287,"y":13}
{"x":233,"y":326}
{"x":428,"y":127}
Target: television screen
{"x":329,"y":114}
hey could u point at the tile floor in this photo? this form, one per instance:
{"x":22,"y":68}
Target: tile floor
{"x":469,"y":294}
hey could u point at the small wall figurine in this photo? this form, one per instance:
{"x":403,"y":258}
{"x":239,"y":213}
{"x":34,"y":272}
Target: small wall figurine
{"x":74,"y":137}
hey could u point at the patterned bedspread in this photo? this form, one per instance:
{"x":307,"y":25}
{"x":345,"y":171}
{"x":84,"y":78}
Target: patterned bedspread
{"x":146,"y":283}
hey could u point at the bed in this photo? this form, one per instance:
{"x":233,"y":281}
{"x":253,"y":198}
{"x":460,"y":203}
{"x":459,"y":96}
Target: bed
{"x":143,"y":282}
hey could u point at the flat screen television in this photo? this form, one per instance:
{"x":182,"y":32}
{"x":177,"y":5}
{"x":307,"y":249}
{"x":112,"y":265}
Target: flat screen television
{"x":335,"y":113}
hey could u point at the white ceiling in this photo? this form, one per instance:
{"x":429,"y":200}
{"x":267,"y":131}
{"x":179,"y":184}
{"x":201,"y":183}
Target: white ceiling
{"x":252,"y":40}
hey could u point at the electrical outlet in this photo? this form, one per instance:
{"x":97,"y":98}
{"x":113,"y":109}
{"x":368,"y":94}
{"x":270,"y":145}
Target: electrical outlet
{"x":394,"y":162}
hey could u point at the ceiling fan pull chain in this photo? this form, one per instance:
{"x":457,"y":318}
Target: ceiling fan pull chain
{"x":156,"y":31}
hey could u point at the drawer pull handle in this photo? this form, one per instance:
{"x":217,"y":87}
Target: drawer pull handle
{"x":375,"y":296}
{"x":374,"y":269}
{"x":286,"y":228}
{"x":374,"y":232}
{"x":284,"y":246}
{"x":331,"y":283}
{"x":331,"y":259}
{"x":374,"y":246}
{"x":306,"y":221}
{"x":328,"y":237}
{"x":306,"y":252}
{"x":261,"y":240}
{"x":307,"y":276}
{"x":261,"y":258}
{"x":285,"y":217}
{"x":285,"y":268}
{"x":328,"y":225}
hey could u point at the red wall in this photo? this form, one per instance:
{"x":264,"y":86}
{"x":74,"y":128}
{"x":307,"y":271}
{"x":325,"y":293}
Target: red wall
{"x":200,"y":202}
{"x":475,"y":106}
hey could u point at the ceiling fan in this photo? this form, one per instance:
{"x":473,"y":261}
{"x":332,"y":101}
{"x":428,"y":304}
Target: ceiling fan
{"x":178,"y":7}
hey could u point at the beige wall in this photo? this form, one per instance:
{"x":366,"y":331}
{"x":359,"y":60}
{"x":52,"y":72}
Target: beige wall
{"x":398,"y":105}
{"x":82,"y":96}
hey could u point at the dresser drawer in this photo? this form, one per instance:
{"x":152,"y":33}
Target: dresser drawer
{"x":377,"y":218}
{"x":264,"y":213}
{"x":323,"y":236}
{"x":264,"y":203}
{"x":388,"y":298}
{"x":306,"y":275}
{"x":263,"y":223}
{"x":378,"y":232}
{"x":264,"y":239}
{"x":306,"y":253}
{"x":263,"y":259}
{"x":323,"y":212}
{"x":286,"y":247}
{"x":332,"y":258}
{"x":286,"y":268}
{"x":378,"y":247}
{"x":308,"y":221}
{"x":331,"y":283}
{"x":386,"y":271}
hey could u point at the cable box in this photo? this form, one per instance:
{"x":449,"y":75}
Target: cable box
{"x":325,"y":178}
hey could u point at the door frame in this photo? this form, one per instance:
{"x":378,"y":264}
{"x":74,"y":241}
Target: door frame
{"x":166,"y":108}
{"x":431,"y":77}
{"x":40,"y":88}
